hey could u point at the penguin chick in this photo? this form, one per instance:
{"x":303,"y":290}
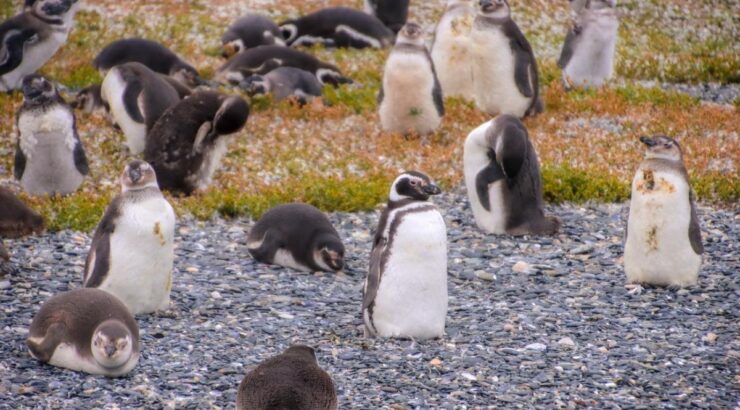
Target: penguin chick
{"x":452,"y":51}
{"x":337,"y":27}
{"x":250,"y":31}
{"x":393,"y":13}
{"x":410,"y":98}
{"x":49,"y":157}
{"x":663,"y":245}
{"x":187,"y":144}
{"x":132,"y":250}
{"x":285,"y":82}
{"x":16,"y":218}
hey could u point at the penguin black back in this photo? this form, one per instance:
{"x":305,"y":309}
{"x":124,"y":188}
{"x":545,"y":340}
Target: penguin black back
{"x":338,"y":26}
{"x":16,"y":218}
{"x":393,"y":13}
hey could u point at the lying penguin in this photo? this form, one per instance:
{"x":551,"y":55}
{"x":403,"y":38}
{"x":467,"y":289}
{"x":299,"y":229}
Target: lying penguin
{"x":337,"y":27}
{"x":250,"y":31}
{"x":393,"y":13}
{"x":285,"y":82}
{"x":90,"y":99}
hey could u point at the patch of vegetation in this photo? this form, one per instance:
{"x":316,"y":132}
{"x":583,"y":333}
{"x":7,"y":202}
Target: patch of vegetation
{"x":563,"y":183}
{"x":81,"y":211}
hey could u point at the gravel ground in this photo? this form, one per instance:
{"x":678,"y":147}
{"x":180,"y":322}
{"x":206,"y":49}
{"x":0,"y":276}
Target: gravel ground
{"x":532,"y":322}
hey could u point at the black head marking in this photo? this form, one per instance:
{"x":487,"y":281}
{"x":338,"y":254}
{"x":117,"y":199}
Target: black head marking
{"x":37,"y":89}
{"x":232,"y":115}
{"x":661,"y":146}
{"x":413,"y":185}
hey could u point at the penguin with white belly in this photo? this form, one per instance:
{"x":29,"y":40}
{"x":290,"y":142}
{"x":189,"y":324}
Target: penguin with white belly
{"x":405,"y":292}
{"x":663,"y":245}
{"x":132,"y":251}
{"x":452,"y":50}
{"x":337,"y":27}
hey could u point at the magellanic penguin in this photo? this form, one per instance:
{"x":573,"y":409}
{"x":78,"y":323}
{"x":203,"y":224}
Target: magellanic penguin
{"x":291,"y":380}
{"x":452,"y":51}
{"x":502,"y":176}
{"x":663,"y":245}
{"x":154,"y":55}
{"x":90,"y":98}
{"x":285,"y":82}
{"x":263,"y":59}
{"x":504,"y":68}
{"x":393,"y":13}
{"x":49,"y":157}
{"x":337,"y":27}
{"x":405,"y":293}
{"x":587,"y":58}
{"x":186,"y":145}
{"x":16,"y":218}
{"x":137,"y":97}
{"x":86,"y":330}
{"x":297,"y":236}
{"x":132,"y":250}
{"x":30,"y":39}
{"x":250,"y":31}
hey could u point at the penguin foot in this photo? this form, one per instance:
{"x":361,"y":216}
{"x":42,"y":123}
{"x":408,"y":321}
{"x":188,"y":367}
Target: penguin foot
{"x":636,"y":290}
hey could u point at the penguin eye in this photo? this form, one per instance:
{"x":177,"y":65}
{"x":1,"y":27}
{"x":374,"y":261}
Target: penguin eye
{"x":414,"y":182}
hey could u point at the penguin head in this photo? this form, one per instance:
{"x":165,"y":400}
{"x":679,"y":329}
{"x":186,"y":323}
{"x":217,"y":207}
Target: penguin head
{"x":50,"y":9}
{"x":255,"y":84}
{"x":413,"y":185}
{"x":112,"y":344}
{"x":289,"y":31}
{"x":494,"y":8}
{"x":411,"y":33}
{"x":231,"y":116}
{"x":232,"y":47}
{"x":89,"y":99}
{"x":138,"y":175}
{"x":37,"y":89}
{"x":330,"y":250}
{"x":187,"y":75}
{"x":662,"y":147}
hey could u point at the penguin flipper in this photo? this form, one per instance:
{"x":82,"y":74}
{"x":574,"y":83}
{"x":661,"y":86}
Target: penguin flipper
{"x":131,"y":99}
{"x":373,"y":277}
{"x":568,"y":47}
{"x":381,"y":94}
{"x":80,"y":158}
{"x":97,"y":263}
{"x":439,"y":102}
{"x":694,"y":228}
{"x":514,"y":150}
{"x":44,"y":350}
{"x":19,"y":166}
{"x":265,"y":253}
{"x":486,"y":176}
{"x":13,"y":39}
{"x":525,"y":67}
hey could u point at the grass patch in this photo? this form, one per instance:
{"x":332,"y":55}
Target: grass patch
{"x":563,"y":183}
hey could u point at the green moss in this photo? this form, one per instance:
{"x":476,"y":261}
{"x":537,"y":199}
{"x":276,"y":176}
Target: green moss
{"x":81,"y":211}
{"x":636,"y":94}
{"x":717,"y":188}
{"x":563,"y":183}
{"x":360,"y":98}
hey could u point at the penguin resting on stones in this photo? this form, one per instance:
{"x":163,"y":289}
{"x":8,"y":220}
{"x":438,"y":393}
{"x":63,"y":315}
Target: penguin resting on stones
{"x":337,"y":27}
{"x":16,"y":218}
{"x":250,"y":31}
{"x":291,"y":380}
{"x":186,"y":145}
{"x":393,"y":13}
{"x":30,"y":39}
{"x":86,"y":330}
{"x":587,"y":58}
{"x":297,"y":236}
{"x":405,"y":292}
{"x":504,"y":68}
{"x":502,"y":176}
{"x":663,"y":245}
{"x":285,"y":82}
{"x":49,"y":157}
{"x":132,"y":250}
{"x":410,"y":98}
{"x":452,"y":51}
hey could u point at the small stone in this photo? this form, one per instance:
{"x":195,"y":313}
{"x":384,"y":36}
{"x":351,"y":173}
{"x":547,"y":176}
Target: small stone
{"x":4,"y":284}
{"x":567,"y":342}
{"x":536,"y":346}
{"x":436,"y":362}
{"x":483,"y":275}
{"x":509,"y":327}
{"x":710,"y":337}
{"x":585,"y":248}
{"x":191,"y":269}
{"x":521,"y":267}
{"x":215,"y":295}
{"x":468,"y":376}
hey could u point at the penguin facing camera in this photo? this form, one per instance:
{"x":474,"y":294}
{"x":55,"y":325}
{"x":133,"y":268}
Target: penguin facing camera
{"x":452,"y":50}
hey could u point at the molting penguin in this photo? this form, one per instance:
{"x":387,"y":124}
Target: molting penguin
{"x":16,"y":218}
{"x":250,"y":31}
{"x":337,"y":27}
{"x":285,"y":82}
{"x":504,"y":68}
{"x":49,"y":157}
{"x":587,"y":58}
{"x":452,"y":51}
{"x":132,"y":250}
{"x":405,"y":293}
{"x":137,"y":97}
{"x":85,"y":330}
{"x":263,"y":59}
{"x":297,"y":236}
{"x":502,"y":175}
{"x":89,"y":99}
{"x":291,"y":380}
{"x":30,"y":39}
{"x":663,"y":245}
{"x":187,"y":144}
{"x":393,"y":13}
{"x":410,"y":97}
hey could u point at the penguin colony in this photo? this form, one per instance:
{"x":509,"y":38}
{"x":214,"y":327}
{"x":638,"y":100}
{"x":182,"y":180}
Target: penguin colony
{"x":479,"y":53}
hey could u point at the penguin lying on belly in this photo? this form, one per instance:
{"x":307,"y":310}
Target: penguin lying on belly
{"x":337,"y":27}
{"x":285,"y":82}
{"x":250,"y":31}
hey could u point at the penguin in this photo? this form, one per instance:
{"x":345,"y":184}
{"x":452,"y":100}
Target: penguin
{"x":30,"y":39}
{"x":291,"y":380}
{"x":132,"y":250}
{"x":337,"y":27}
{"x":297,"y":236}
{"x":663,"y":246}
{"x":263,"y":59}
{"x":137,"y":97}
{"x":90,"y":99}
{"x":502,"y":176}
{"x":250,"y":31}
{"x":587,"y":57}
{"x":285,"y":82}
{"x":154,"y":55}
{"x":405,"y":292}
{"x":504,"y":68}
{"x":85,"y":330}
{"x":49,"y":156}
{"x":16,"y":218}
{"x":410,"y":97}
{"x":393,"y":13}
{"x":187,"y":143}
{"x":452,"y":50}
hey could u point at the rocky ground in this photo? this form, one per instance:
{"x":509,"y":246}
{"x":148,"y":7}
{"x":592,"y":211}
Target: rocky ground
{"x":532,"y":322}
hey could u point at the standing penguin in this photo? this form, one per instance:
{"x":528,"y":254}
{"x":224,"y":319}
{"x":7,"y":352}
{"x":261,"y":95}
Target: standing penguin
{"x":297,"y":236}
{"x":132,"y":250}
{"x":16,"y":218}
{"x":502,"y":175}
{"x":410,"y":97}
{"x":504,"y":68}
{"x":393,"y":13}
{"x":452,"y":51}
{"x":587,"y":58}
{"x":285,"y":82}
{"x":187,"y":143}
{"x":337,"y":27}
{"x":30,"y":39}
{"x":663,"y":245}
{"x":291,"y":380}
{"x":137,"y":97}
{"x":405,"y":292}
{"x":250,"y":31}
{"x":49,"y":157}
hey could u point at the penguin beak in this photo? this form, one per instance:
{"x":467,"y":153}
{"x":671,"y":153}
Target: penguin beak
{"x":109,"y":350}
{"x":431,"y":189}
{"x":648,"y":141}
{"x":135,"y":175}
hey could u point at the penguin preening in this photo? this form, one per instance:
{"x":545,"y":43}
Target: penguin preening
{"x":502,"y":176}
{"x":30,"y":39}
{"x":452,"y":50}
{"x":337,"y":27}
{"x":663,"y":245}
{"x":16,"y":218}
{"x":250,"y":31}
{"x":285,"y":82}
{"x":393,"y":13}
{"x":405,"y":292}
